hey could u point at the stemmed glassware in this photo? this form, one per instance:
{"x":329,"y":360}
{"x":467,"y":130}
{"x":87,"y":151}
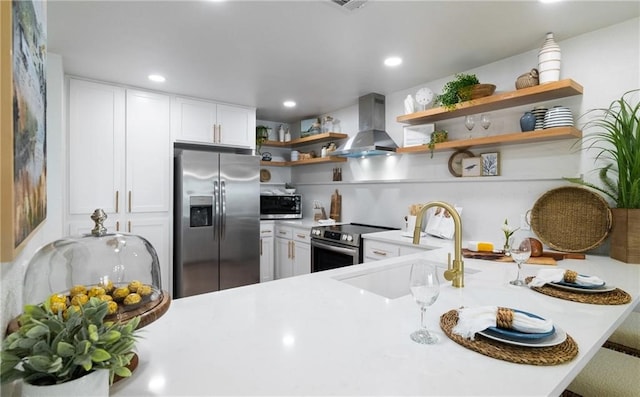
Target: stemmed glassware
{"x":520,"y":252}
{"x":425,"y":289}
{"x":469,"y":122}
{"x":485,"y":121}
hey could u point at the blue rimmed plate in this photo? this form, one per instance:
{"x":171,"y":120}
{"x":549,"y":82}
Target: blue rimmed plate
{"x":512,"y":334}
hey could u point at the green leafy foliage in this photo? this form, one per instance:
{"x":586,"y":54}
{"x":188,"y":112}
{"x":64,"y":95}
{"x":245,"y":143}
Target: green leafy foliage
{"x":617,"y":140}
{"x":50,"y":349}
{"x":450,"y":92}
{"x":262,"y":135}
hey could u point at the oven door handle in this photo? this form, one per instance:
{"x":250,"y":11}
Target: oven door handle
{"x":346,"y":251}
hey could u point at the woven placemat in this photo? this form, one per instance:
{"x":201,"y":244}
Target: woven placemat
{"x":552,"y":355}
{"x":615,"y":297}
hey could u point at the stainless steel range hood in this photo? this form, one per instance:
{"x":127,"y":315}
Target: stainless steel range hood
{"x":372,"y":140}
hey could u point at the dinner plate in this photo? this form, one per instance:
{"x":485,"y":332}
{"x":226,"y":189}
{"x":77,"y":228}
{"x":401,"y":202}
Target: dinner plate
{"x":556,"y":338}
{"x":604,"y":288}
{"x":579,"y":285}
{"x":520,"y":336}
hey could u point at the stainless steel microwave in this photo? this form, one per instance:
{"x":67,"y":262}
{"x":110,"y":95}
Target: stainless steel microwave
{"x":286,"y":206}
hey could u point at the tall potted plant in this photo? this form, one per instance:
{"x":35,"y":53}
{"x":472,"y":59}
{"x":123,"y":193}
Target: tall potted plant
{"x":616,"y":138}
{"x":55,"y":349}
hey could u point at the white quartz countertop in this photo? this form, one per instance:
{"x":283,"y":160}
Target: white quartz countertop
{"x":403,"y":238}
{"x":318,"y":335}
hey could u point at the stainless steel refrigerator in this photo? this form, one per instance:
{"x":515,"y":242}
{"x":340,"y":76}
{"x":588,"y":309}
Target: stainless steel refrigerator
{"x":216,"y":220}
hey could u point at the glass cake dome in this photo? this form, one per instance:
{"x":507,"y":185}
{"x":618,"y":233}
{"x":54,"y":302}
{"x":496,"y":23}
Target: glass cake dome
{"x":117,"y":267}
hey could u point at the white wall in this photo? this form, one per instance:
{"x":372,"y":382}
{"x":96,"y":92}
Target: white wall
{"x":12,"y":274}
{"x":605,"y":62}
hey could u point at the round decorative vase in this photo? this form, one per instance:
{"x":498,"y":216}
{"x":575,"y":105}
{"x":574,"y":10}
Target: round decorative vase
{"x":527,"y":122}
{"x":95,"y":384}
{"x":549,"y":58}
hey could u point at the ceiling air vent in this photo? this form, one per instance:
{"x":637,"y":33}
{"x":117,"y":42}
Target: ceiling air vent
{"x":350,"y":4}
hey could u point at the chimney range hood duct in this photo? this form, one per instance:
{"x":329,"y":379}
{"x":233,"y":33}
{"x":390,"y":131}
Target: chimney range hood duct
{"x":372,"y":139}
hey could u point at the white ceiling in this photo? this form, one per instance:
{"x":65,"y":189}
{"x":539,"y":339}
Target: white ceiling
{"x":260,"y":53}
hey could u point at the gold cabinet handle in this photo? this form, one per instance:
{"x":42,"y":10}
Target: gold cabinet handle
{"x":117,"y":226}
{"x":129,"y":200}
{"x":214,"y":133}
{"x":117,"y":201}
{"x":219,"y":133}
{"x":129,"y":226}
{"x":301,"y":235}
{"x":380,"y":253}
{"x":260,"y":247}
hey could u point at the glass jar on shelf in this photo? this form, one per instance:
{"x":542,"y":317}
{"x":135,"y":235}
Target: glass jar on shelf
{"x":327,"y":124}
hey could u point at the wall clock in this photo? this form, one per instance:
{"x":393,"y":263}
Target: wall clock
{"x":424,"y":97}
{"x":455,"y":161}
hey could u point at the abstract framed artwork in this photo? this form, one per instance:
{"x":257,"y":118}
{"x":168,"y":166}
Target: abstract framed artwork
{"x":490,"y":164}
{"x":23,"y":160}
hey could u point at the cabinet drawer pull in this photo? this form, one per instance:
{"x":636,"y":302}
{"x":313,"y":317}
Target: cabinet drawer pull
{"x":117,"y":226}
{"x":117,"y":201}
{"x":301,"y":235}
{"x":281,"y":232}
{"x":265,"y":231}
{"x":260,"y":247}
{"x":129,"y":200}
{"x":129,"y":226}
{"x":379,"y":253}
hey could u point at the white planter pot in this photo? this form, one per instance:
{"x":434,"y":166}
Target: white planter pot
{"x":94,"y":384}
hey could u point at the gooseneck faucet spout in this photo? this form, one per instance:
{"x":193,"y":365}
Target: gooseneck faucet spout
{"x":455,"y":272}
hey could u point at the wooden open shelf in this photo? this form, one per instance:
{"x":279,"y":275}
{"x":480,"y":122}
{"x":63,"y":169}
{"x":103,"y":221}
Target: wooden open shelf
{"x":525,"y":96}
{"x":327,"y":136}
{"x":315,"y":160}
{"x":511,"y":138}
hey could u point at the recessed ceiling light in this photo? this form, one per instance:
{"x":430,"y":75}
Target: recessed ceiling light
{"x":289,"y":104}
{"x":157,"y":78}
{"x":393,"y":61}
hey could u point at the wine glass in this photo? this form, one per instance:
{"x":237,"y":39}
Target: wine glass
{"x":520,"y":252}
{"x":469,"y":122}
{"x":425,"y":289}
{"x":485,"y":121}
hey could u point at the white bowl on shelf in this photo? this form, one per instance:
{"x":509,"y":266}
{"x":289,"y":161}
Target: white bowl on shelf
{"x":290,"y":191}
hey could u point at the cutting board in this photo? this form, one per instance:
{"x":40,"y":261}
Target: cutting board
{"x":497,"y":257}
{"x":336,"y":206}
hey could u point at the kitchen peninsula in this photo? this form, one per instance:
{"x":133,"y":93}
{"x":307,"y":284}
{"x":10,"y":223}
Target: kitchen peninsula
{"x":318,"y":334}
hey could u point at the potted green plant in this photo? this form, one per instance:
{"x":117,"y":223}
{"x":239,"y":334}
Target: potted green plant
{"x":450,"y":92}
{"x":262,"y":135}
{"x":616,"y":138}
{"x":437,"y":137}
{"x":55,"y":348}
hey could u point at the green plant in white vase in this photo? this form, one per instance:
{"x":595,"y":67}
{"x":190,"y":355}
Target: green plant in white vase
{"x":52,"y":348}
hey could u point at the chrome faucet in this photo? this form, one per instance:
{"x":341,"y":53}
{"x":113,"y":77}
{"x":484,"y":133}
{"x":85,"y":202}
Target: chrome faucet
{"x":454,"y":273}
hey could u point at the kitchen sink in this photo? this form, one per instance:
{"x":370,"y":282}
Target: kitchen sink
{"x":391,"y":281}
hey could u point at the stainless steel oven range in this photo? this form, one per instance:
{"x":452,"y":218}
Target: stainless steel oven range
{"x":339,"y":245}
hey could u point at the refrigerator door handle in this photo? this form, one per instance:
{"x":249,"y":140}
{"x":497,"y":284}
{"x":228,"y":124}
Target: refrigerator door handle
{"x":223,"y":215}
{"x":216,"y":212}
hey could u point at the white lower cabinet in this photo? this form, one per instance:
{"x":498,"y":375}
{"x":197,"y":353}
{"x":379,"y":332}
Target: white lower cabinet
{"x":293,"y":251}
{"x":377,"y":250}
{"x":267,"y":230}
{"x":154,"y":230}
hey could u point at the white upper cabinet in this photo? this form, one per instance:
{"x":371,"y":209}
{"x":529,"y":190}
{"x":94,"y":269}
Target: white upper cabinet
{"x":119,"y":149}
{"x":213,"y":123}
{"x":96,"y":143}
{"x":148,"y":151}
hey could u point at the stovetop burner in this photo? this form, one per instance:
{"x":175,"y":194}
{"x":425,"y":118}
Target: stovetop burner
{"x":348,"y":234}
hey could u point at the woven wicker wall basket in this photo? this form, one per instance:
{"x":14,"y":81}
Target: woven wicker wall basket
{"x":571,"y":219}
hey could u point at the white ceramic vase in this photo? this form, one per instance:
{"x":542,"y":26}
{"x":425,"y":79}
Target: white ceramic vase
{"x":95,"y":384}
{"x":549,"y":59}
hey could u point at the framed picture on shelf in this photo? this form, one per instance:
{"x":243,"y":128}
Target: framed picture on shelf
{"x":471,"y":166}
{"x":490,"y":164}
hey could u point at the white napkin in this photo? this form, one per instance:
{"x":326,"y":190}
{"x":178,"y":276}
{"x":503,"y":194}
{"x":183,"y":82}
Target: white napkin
{"x":474,"y":319}
{"x":327,"y":221}
{"x":545,"y":276}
